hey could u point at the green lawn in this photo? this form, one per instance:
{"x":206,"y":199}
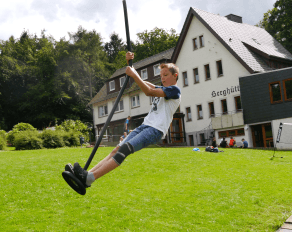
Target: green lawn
{"x":156,"y":189}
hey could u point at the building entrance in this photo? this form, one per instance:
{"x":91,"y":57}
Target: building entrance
{"x":262,"y":135}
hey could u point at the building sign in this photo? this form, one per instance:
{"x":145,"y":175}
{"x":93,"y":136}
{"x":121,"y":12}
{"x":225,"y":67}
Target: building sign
{"x":225,"y":92}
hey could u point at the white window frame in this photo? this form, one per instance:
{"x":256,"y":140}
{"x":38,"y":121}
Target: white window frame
{"x":189,"y":114}
{"x":137,"y":100}
{"x":185,"y":83}
{"x":118,"y":109}
{"x":103,"y":112}
{"x":144,"y":78}
{"x":200,"y":114}
{"x":203,"y":41}
{"x":110,"y":85}
{"x":156,"y":74}
{"x":122,"y":78}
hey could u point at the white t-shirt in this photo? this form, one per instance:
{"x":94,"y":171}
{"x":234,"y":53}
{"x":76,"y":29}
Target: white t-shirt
{"x":163,"y":108}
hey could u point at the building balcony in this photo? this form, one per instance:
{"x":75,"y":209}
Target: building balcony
{"x":228,"y":119}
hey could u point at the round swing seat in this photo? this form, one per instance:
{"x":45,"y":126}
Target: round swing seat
{"x":74,"y":182}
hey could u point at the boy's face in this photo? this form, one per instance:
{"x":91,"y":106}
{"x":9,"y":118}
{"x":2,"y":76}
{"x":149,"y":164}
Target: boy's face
{"x":167,"y":78}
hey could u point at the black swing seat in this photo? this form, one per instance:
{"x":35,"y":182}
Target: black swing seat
{"x":74,"y":182}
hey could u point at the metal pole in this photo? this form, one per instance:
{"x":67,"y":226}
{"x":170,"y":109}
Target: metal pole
{"x":119,"y":96}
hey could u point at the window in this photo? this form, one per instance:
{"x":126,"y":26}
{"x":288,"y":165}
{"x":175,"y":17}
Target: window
{"x":112,"y":85}
{"x":228,"y":133}
{"x":156,"y":70}
{"x":224,"y":106}
{"x":275,"y":92}
{"x":238,"y":103}
{"x":211,"y":109}
{"x":135,"y":101}
{"x":185,"y":79}
{"x":202,"y":138}
{"x":207,"y":72}
{"x":191,"y":139}
{"x":202,"y":43}
{"x":189,"y":114}
{"x":120,"y":106}
{"x":200,"y":112}
{"x":196,"y":76}
{"x":288,"y":89}
{"x":195,"y":43}
{"x":219,"y":68}
{"x":144,"y":74}
{"x":102,"y":111}
{"x":122,"y":81}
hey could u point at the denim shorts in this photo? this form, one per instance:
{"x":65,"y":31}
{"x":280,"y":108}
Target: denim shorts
{"x":142,"y":137}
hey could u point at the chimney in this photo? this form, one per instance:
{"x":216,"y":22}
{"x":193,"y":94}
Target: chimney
{"x":234,"y":18}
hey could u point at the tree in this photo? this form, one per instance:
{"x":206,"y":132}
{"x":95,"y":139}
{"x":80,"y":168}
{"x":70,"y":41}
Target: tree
{"x":154,"y":42}
{"x":113,"y":47}
{"x":278,"y":22}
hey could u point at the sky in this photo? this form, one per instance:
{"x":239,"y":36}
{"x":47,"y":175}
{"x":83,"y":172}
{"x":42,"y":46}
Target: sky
{"x":58,"y":17}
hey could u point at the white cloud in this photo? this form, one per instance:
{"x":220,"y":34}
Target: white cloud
{"x":59,"y":17}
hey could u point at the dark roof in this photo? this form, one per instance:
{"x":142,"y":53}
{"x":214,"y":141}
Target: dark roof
{"x":238,"y":38}
{"x":102,"y":94}
{"x":142,"y":63}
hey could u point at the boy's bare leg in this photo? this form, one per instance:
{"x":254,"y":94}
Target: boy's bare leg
{"x":107,"y":166}
{"x":107,"y":158}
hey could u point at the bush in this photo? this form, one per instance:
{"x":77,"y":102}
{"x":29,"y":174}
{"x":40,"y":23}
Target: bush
{"x":52,"y":139}
{"x":3,"y":134}
{"x":2,"y":143}
{"x":77,"y":126}
{"x":17,"y":128}
{"x":71,"y":139}
{"x":28,"y":140}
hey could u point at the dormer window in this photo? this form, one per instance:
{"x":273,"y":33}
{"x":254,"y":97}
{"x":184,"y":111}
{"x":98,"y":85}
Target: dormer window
{"x":122,"y":81}
{"x":112,"y":85}
{"x":156,"y":69}
{"x":144,"y":74}
{"x":256,"y":41}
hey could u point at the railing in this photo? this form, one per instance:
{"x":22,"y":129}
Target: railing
{"x":227,"y":119}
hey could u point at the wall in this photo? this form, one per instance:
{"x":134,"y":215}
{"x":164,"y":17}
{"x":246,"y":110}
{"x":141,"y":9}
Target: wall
{"x":201,"y":93}
{"x":255,"y":97}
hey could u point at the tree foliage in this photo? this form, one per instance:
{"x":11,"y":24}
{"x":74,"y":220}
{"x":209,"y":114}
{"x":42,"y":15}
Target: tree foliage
{"x":43,"y":80}
{"x":278,"y":22}
{"x":154,"y":42}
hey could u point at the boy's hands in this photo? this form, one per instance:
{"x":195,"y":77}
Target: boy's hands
{"x":129,"y":56}
{"x":131,"y":72}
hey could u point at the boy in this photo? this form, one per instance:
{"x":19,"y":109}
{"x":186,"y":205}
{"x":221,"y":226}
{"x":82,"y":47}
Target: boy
{"x":244,"y":143}
{"x":155,"y":125}
{"x":126,"y":125}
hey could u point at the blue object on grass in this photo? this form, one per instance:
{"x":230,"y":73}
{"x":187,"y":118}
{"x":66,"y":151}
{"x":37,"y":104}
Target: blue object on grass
{"x":196,"y":149}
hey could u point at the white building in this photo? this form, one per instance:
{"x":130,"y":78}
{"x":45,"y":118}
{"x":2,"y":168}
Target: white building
{"x":134,"y":102}
{"x":212,"y":53}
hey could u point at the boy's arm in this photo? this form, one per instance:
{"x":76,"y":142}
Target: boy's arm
{"x":146,"y":87}
{"x":150,"y":84}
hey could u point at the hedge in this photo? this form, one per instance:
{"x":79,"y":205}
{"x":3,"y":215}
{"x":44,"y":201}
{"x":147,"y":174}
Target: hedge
{"x":28,"y":140}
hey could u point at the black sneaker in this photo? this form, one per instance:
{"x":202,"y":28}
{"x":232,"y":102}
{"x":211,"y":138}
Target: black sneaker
{"x":80,"y":173}
{"x":69,"y":168}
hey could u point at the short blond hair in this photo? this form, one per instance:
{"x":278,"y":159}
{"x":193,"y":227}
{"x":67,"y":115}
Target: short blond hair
{"x":171,"y":67}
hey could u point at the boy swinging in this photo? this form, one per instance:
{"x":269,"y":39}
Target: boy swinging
{"x":154,"y":128}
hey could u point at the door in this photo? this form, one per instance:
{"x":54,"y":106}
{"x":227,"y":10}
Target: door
{"x":176,"y":133}
{"x":262,"y":135}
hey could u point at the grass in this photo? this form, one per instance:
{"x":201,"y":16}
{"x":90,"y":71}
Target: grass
{"x":156,"y":189}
